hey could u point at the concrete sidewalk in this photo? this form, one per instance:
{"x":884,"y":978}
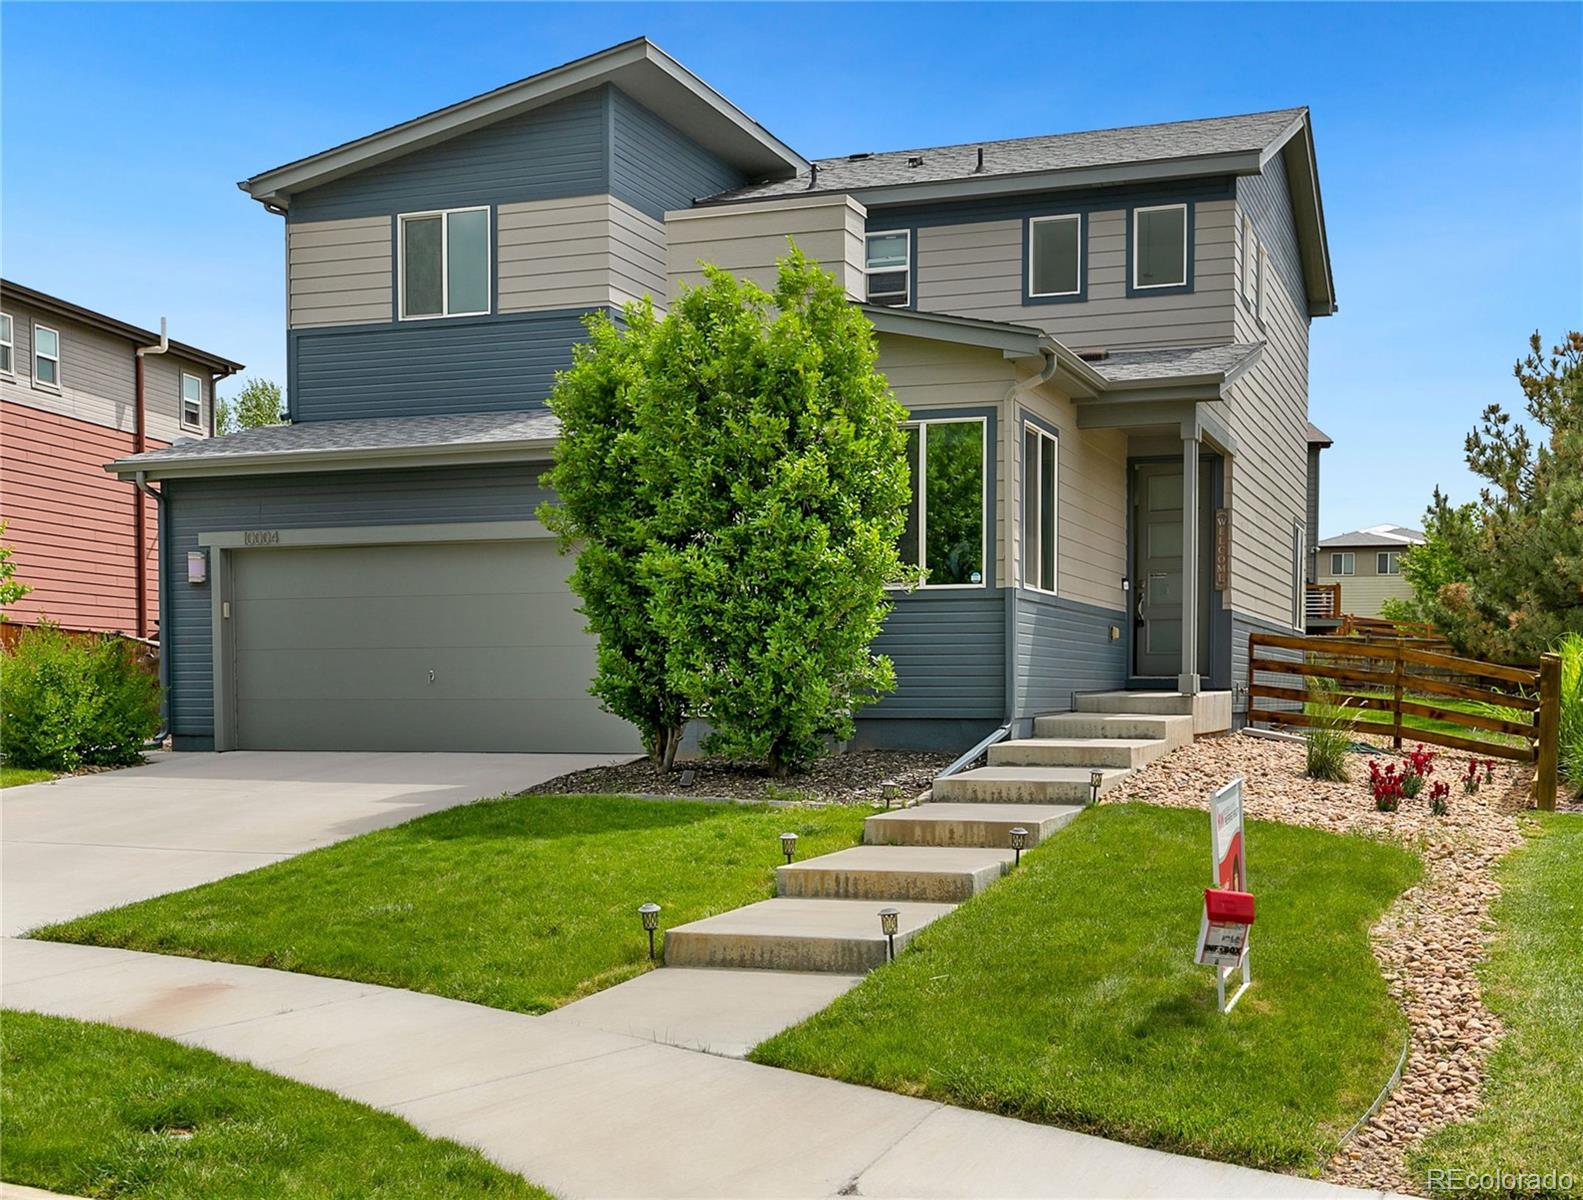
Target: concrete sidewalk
{"x":588,"y":1113}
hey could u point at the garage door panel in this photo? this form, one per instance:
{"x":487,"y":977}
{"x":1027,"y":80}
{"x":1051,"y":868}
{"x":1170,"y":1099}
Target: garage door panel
{"x":388,"y":622}
{"x":471,"y":725}
{"x":402,"y":673}
{"x":331,"y":649}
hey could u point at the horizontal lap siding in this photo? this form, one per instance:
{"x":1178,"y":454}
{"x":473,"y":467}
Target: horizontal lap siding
{"x":655,"y":167}
{"x":340,"y":272}
{"x":1241,"y":626}
{"x":505,"y":493}
{"x":950,"y":656}
{"x":1065,"y":647}
{"x":637,"y":255}
{"x":475,"y":364}
{"x":585,"y":252}
{"x":96,"y":370}
{"x":70,"y":523}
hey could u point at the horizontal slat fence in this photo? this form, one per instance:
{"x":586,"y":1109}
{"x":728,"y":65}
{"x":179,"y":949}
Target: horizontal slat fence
{"x":1412,"y":678}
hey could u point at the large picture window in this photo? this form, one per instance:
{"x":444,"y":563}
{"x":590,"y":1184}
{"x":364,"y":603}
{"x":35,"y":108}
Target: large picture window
{"x":1055,"y":256}
{"x":945,"y":520}
{"x":445,"y":263}
{"x":1039,"y":467}
{"x":1159,"y":246}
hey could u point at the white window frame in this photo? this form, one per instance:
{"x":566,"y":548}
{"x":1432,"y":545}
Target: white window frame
{"x":1264,"y":274}
{"x":906,"y":293}
{"x":985,"y":518}
{"x":1391,"y":558}
{"x":445,"y":263}
{"x":1347,"y":560}
{"x":8,"y":340}
{"x":1044,"y":435}
{"x":54,"y":358}
{"x":1252,"y":268}
{"x":1299,"y":576}
{"x":1033,"y":223}
{"x":1137,"y":246}
{"x":181,"y":401}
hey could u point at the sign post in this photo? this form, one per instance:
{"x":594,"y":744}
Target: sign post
{"x":1228,"y":905}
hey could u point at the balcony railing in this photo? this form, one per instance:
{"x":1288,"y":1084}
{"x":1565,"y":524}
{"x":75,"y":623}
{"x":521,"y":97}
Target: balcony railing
{"x":1322,"y":601}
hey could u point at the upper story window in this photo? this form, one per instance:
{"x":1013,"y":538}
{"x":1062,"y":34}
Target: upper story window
{"x":945,"y":516}
{"x":7,"y":345}
{"x":1250,"y":263}
{"x":191,"y":401}
{"x":46,"y":356}
{"x":887,"y":263}
{"x":1159,"y":246}
{"x":1039,"y":460}
{"x":1388,"y":562}
{"x":1055,"y":256}
{"x":1342,"y":562}
{"x":445,"y":263}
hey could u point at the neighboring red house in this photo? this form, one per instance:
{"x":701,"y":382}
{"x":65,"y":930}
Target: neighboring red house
{"x":78,"y":389}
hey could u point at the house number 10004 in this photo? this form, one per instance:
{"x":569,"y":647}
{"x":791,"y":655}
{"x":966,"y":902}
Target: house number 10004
{"x":261,"y":537}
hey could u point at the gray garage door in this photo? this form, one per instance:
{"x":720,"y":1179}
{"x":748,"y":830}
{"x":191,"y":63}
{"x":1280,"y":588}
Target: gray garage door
{"x":455,"y":646}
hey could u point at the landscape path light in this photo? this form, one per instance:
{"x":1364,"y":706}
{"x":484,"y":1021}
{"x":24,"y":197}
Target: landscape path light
{"x":891,"y":790}
{"x":650,"y":913}
{"x":1019,"y":843}
{"x":1096,"y":780}
{"x":788,"y":846}
{"x":889,"y":920}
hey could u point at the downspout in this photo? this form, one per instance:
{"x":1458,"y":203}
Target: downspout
{"x":143,"y":486}
{"x":140,"y":444}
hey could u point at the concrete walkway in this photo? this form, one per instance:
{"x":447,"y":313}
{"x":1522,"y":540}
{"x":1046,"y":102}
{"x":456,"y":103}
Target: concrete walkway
{"x":89,"y":842}
{"x":588,"y":1113}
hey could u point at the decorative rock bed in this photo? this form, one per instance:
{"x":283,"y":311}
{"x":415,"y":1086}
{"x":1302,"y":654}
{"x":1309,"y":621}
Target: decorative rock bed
{"x":1428,"y":943}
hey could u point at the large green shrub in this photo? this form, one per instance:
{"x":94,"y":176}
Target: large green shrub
{"x":69,"y":702}
{"x":1570,"y":739}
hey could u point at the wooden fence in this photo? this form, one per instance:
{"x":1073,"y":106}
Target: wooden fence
{"x":1401,"y":678}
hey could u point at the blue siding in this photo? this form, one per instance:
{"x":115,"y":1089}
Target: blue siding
{"x":462,"y":365}
{"x":1241,"y":626}
{"x":1064,"y":646}
{"x":1266,"y":199}
{"x":558,"y":150}
{"x":950,"y":656}
{"x":496,"y":493}
{"x":656,"y":168}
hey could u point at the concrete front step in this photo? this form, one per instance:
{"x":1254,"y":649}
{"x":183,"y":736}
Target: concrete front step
{"x":1025,"y":785}
{"x":1077,"y":752}
{"x":988,"y":825}
{"x":1173,"y":730}
{"x":1210,"y":711}
{"x":788,"y":934}
{"x":939,"y":874}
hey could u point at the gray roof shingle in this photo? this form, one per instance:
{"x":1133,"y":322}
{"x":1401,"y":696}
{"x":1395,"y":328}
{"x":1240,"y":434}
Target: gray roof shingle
{"x":1146,"y":366}
{"x":1019,"y":156}
{"x":1394,"y":536}
{"x":375,"y":433}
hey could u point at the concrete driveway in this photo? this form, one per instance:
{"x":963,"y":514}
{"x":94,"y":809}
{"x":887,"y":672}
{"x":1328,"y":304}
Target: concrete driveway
{"x":85,"y":843}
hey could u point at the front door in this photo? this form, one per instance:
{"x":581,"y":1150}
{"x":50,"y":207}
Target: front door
{"x":1157,"y":569}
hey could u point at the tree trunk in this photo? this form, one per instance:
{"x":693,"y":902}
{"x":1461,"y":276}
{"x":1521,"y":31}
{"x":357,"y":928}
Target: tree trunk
{"x":673,"y":741}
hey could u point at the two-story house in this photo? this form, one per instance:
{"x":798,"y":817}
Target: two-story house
{"x":1107,"y":334}
{"x":1364,"y":567}
{"x":78,"y":387}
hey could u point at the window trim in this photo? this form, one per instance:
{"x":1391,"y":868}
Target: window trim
{"x":445,"y":263}
{"x":986,"y":519}
{"x":1250,"y":262}
{"x":1044,"y":434}
{"x":8,"y":340}
{"x":1387,"y":555}
{"x":1186,"y":283}
{"x":181,"y":402}
{"x":1344,"y":569}
{"x":907,"y":295}
{"x":1299,"y":576}
{"x":34,"y":355}
{"x":1031,"y":296}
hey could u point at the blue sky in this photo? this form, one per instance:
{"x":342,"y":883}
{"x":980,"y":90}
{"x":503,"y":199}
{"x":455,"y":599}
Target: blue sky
{"x":1448,"y":140}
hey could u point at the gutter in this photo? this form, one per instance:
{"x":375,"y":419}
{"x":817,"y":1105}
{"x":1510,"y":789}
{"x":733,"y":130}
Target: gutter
{"x":294,"y":461}
{"x":142,"y":484}
{"x":139,"y":445}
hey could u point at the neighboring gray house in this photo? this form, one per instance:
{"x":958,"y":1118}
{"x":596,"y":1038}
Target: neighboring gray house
{"x":1366,"y":566}
{"x":1117,"y":321}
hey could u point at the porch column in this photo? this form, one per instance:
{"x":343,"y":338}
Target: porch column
{"x":1187,"y":681}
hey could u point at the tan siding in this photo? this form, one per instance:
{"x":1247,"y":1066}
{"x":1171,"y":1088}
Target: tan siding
{"x":339,"y":272}
{"x":747,"y":239}
{"x":976,"y":270}
{"x":1267,"y":480}
{"x":580,"y":252}
{"x":96,"y":381}
{"x":637,"y":255}
{"x":1362,"y":595}
{"x":162,"y":397}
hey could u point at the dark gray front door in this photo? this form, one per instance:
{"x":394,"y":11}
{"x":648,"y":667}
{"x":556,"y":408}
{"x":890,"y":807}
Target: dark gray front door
{"x":1157,"y":569}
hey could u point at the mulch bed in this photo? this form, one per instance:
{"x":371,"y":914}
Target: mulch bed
{"x":852,"y":778}
{"x":1428,"y":943}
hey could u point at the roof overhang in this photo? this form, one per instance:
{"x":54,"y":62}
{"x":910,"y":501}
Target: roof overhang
{"x":1308,"y":214}
{"x":133,"y":333}
{"x":296,"y":462}
{"x":638,"y":67}
{"x":1013,"y":341}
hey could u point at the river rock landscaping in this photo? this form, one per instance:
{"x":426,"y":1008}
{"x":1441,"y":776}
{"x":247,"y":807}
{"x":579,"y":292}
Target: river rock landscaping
{"x":1428,"y":944}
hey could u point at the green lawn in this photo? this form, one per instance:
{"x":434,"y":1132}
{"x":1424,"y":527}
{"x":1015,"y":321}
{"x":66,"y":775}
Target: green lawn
{"x":1067,"y":994}
{"x":523,"y":903}
{"x":17,"y":776}
{"x":94,"y":1111}
{"x":1533,"y":980}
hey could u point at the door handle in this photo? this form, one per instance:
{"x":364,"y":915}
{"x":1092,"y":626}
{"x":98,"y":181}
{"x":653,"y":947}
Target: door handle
{"x":1143,"y":595}
{"x":431,"y":676}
